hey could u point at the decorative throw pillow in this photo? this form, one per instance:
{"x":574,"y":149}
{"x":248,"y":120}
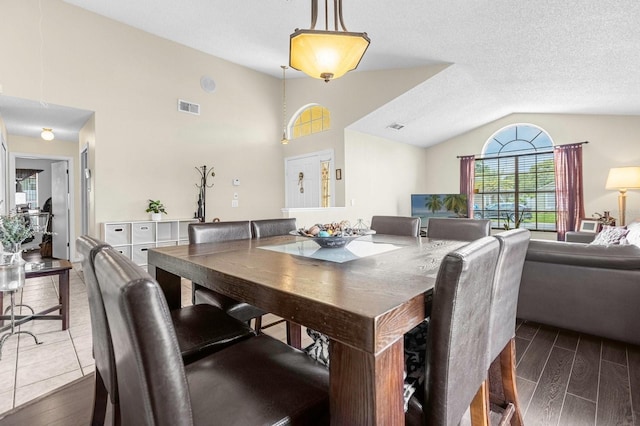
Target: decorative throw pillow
{"x":610,"y":235}
{"x":633,"y":237}
{"x":319,"y":349}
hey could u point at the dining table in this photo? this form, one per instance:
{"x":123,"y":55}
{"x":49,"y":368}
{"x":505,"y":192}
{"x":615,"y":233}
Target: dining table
{"x":364,"y":297}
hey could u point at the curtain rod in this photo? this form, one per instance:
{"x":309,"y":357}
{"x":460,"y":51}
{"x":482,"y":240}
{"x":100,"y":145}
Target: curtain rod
{"x":514,"y":155}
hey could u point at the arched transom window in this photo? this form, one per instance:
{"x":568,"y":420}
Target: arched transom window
{"x":515,"y":181}
{"x":310,"y":119}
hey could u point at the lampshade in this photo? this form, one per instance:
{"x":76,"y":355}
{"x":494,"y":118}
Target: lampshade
{"x":47,"y":134}
{"x":326,"y":54}
{"x":623,"y":178}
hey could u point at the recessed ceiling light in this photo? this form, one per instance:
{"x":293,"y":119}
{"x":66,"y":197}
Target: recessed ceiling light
{"x":395,"y":126}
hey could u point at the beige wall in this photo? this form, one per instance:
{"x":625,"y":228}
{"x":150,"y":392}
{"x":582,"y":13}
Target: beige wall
{"x":613,"y":142}
{"x":140,"y":146}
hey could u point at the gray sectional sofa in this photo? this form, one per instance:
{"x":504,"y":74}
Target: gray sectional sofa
{"x":587,"y":288}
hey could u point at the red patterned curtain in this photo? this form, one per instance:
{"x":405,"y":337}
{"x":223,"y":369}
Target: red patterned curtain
{"x":569,"y":187}
{"x":467,"y":173}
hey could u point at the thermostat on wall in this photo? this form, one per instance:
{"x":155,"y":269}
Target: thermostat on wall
{"x":236,"y":182}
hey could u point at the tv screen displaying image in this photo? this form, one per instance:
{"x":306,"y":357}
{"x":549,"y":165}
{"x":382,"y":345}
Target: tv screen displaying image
{"x":425,"y":206}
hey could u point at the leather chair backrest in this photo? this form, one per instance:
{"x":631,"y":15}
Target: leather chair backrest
{"x":458,"y":335}
{"x":506,"y":286}
{"x":396,"y":225}
{"x":88,"y":247}
{"x":151,"y":376}
{"x":460,"y":229}
{"x":272,"y":227}
{"x":213,"y":232}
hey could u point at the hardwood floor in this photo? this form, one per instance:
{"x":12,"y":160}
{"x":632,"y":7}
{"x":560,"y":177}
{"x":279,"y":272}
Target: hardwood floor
{"x":564,"y":378}
{"x":567,"y":378}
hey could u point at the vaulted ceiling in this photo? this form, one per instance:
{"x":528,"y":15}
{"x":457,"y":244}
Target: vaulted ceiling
{"x":570,"y":56}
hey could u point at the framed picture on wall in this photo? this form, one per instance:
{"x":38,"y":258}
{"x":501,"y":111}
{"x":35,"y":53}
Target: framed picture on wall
{"x":589,"y":225}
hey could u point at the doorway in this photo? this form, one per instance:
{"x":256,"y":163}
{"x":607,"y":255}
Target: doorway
{"x":55,"y":181}
{"x":308,"y":180}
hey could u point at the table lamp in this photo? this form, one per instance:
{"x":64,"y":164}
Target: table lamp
{"x":623,"y":178}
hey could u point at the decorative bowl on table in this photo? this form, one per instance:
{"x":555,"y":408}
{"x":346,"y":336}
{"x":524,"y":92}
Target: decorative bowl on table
{"x":332,"y":235}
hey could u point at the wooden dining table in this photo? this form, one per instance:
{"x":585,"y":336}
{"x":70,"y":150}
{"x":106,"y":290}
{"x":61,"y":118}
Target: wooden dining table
{"x":364,"y":296}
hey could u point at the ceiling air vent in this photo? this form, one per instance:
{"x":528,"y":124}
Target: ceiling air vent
{"x":395,"y":126}
{"x":191,"y":108}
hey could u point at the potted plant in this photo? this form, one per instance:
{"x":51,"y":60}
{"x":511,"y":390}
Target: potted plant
{"x":156,"y":208}
{"x":14,"y":230}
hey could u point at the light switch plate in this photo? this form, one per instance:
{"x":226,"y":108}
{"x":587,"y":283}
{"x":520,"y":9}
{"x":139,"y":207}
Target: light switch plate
{"x":234,"y":203}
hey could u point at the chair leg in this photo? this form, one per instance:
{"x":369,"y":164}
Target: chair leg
{"x":508,"y":371}
{"x":257,"y":325}
{"x":294,"y":335}
{"x":479,"y":408}
{"x":100,"y":400}
{"x":193,"y":292}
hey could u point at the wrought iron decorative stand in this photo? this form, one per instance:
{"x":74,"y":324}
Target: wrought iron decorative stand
{"x":202,"y":188}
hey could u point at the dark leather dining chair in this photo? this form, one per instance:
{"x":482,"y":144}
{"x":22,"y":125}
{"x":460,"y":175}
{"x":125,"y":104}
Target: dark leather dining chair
{"x":264,"y":228}
{"x":396,"y":225}
{"x":271,"y":227}
{"x":502,"y":322}
{"x":215,"y":232}
{"x":460,"y":229}
{"x":200,"y":329}
{"x":458,"y":338}
{"x":256,"y":381}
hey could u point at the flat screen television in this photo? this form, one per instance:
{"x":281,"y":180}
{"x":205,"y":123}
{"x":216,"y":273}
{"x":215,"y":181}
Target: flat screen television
{"x":425,"y":206}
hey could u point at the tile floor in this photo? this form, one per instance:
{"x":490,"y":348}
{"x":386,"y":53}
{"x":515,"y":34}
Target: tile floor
{"x":28,"y":370}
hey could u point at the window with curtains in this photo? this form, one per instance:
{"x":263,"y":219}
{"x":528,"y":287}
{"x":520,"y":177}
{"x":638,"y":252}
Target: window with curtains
{"x":515,"y":180}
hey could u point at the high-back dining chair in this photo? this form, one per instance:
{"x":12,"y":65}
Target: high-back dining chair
{"x":502,"y":320}
{"x":256,"y":381}
{"x":200,"y":330}
{"x":460,"y":229}
{"x":458,"y":338}
{"x":396,"y":225}
{"x":264,"y":228}
{"x":271,"y":227}
{"x":214,"y":232}
{"x":105,"y":387}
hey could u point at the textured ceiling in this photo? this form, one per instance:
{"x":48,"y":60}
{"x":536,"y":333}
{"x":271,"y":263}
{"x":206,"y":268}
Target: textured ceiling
{"x":536,"y":56}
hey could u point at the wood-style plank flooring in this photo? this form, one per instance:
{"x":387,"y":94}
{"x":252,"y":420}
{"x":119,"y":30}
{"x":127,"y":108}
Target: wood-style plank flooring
{"x":568,"y":378}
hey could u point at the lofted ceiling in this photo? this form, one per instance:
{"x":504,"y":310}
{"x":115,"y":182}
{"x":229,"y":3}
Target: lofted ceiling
{"x":570,"y":56}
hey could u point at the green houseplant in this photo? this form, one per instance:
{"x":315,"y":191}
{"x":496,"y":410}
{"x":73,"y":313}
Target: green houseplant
{"x":156,"y":208}
{"x":14,"y":230}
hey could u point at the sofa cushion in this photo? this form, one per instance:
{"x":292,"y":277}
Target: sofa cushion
{"x":610,"y":235}
{"x":578,"y":254}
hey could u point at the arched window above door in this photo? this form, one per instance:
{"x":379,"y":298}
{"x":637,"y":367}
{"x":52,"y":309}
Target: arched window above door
{"x":310,"y":119}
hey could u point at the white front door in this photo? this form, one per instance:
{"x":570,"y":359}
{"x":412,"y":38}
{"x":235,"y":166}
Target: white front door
{"x":303,"y":179}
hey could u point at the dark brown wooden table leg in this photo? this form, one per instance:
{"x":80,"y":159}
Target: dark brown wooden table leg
{"x":63,"y":282}
{"x":294,"y":334}
{"x":366,"y":389}
{"x":170,"y":285}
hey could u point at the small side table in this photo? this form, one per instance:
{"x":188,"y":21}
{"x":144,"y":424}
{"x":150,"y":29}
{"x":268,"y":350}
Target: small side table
{"x":46,"y":268}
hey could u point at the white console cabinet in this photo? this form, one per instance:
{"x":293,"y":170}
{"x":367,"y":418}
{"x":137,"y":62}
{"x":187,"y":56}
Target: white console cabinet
{"x":135,"y":238}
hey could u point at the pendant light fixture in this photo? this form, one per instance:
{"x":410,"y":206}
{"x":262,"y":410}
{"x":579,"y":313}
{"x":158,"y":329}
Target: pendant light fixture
{"x":284,"y":140}
{"x":47,"y":134}
{"x":326,"y":54}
